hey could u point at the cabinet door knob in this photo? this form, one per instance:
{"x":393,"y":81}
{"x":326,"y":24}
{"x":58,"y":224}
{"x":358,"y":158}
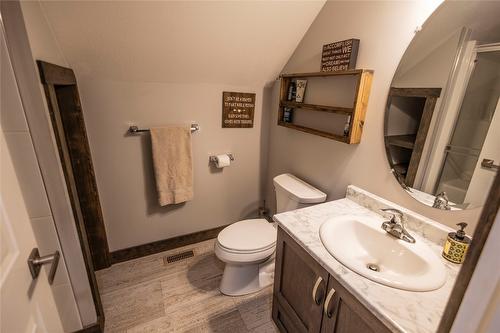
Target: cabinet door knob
{"x":315,"y":297}
{"x":326,"y":306}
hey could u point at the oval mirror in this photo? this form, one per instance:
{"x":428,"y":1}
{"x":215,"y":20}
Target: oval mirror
{"x":442,"y":120}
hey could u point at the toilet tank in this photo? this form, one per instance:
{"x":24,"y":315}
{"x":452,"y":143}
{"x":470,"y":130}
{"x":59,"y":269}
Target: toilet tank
{"x":294,"y":193}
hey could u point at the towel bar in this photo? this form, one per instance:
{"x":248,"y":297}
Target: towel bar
{"x":135,"y":129}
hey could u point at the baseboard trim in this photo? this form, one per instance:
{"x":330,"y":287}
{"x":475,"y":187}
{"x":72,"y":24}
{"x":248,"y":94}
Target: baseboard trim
{"x":163,"y":245}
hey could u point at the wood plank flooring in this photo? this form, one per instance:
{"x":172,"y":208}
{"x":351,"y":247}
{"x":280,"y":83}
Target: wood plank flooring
{"x":148,"y":295}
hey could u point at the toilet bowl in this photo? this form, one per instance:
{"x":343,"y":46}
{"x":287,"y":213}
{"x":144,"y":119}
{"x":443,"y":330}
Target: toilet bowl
{"x":247,"y":247}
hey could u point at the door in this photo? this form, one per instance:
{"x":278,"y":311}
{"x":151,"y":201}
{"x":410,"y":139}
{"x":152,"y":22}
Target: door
{"x":343,"y":313}
{"x":27,"y":305}
{"x":484,"y":175}
{"x":476,"y":120}
{"x":299,"y":288}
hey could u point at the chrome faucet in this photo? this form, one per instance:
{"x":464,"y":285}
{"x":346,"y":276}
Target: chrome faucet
{"x":396,"y":226}
{"x":441,"y":201}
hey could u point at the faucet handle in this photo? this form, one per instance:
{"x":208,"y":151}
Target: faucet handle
{"x":397,"y":215}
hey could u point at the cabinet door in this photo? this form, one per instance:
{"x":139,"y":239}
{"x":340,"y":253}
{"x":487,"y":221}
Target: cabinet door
{"x":343,"y":313}
{"x":299,"y":288}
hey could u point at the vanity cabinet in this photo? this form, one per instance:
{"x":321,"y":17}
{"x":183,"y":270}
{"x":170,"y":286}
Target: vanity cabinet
{"x":307,"y":299}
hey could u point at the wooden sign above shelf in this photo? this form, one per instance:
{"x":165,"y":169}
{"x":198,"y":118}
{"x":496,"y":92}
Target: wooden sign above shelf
{"x":356,"y":113}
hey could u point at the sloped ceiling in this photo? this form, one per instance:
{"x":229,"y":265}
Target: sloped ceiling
{"x":233,"y":42}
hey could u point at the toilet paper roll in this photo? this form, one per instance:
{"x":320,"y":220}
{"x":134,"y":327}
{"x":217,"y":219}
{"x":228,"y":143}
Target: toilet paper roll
{"x":222,"y":161}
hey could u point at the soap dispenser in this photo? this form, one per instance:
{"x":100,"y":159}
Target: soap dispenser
{"x":456,"y":245}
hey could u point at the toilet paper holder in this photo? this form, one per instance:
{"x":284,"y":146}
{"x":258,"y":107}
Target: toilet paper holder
{"x":213,"y":158}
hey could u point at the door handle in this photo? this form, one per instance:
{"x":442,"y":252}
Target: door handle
{"x":326,"y":306}
{"x":489,"y":164}
{"x":35,"y":263}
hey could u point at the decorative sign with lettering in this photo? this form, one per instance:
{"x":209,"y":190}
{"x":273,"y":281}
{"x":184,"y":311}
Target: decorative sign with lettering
{"x":339,"y":56}
{"x":237,"y":109}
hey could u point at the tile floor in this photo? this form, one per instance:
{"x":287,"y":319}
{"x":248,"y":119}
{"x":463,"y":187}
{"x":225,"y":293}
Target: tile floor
{"x":149,"y":295}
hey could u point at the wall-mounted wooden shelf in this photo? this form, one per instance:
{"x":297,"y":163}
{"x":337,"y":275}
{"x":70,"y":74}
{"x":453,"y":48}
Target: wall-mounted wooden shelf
{"x":404,"y":141}
{"x":318,"y":74}
{"x":315,"y":107}
{"x":417,"y":104}
{"x":314,"y":131}
{"x":357,"y":112}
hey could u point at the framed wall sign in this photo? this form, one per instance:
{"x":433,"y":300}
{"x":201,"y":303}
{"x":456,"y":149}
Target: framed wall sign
{"x":339,"y":56}
{"x":238,"y":109}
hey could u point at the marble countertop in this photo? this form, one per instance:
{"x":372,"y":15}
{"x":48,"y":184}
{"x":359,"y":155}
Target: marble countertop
{"x":400,"y":310}
{"x":428,"y":199}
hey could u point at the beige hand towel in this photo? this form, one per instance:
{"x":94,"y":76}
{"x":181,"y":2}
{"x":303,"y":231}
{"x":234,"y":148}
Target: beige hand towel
{"x":173,"y":164}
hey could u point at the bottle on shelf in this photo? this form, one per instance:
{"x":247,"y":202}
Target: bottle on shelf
{"x":292,"y":91}
{"x":287,"y":114}
{"x":346,"y":126}
{"x":300,"y":87}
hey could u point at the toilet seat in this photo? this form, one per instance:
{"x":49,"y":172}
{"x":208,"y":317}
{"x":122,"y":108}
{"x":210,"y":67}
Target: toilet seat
{"x":246,"y":241}
{"x":248,"y":236}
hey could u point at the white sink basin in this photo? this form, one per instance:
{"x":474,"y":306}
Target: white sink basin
{"x":361,"y":245}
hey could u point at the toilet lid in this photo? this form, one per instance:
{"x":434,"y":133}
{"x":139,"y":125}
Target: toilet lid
{"x":248,"y":235}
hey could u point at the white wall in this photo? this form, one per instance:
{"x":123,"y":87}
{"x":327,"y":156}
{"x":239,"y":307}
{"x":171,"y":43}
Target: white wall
{"x":155,"y":63}
{"x":385,"y":30}
{"x":123,"y":164}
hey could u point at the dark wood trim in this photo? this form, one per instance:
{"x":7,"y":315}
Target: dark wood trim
{"x":431,"y":95}
{"x":479,"y":238}
{"x":68,"y":123}
{"x":163,"y":245}
{"x":94,"y":248}
{"x":56,"y":75}
{"x":404,"y":141}
{"x":415,"y":92}
{"x":421,"y":138}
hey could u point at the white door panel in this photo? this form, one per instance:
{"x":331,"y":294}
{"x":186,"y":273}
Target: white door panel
{"x":483,"y":178}
{"x":26,"y":305}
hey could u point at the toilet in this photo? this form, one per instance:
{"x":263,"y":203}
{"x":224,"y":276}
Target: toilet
{"x":247,"y":247}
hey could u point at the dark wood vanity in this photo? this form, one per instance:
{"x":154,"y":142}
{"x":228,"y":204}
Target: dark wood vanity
{"x":308,"y":299}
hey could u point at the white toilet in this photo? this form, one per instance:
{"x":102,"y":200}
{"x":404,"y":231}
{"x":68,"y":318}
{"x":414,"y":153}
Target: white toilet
{"x":247,"y":247}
